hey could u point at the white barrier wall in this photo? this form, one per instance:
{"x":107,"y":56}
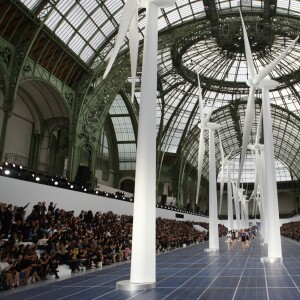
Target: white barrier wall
{"x":19,"y":192}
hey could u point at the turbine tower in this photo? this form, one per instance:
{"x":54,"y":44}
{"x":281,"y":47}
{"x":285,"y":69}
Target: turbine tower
{"x":213,"y":207}
{"x":230,"y":164}
{"x":224,"y":160}
{"x":201,"y":149}
{"x":260,"y":80}
{"x":143,"y":261}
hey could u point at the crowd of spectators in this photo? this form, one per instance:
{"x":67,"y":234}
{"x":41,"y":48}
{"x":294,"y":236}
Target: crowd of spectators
{"x":291,"y":230}
{"x":33,"y":245}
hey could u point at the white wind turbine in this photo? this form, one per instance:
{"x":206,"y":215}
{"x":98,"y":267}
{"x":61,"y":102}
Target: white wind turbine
{"x":143,"y":262}
{"x":223,"y":162}
{"x":213,"y":207}
{"x":129,"y":22}
{"x":201,"y":149}
{"x":230,"y":164}
{"x":255,"y":80}
{"x":256,"y":149}
{"x":241,"y":199}
{"x":260,"y":80}
{"x":236,"y":203}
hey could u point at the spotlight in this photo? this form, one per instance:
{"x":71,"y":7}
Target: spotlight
{"x":55,"y":183}
{"x":96,"y":192}
{"x":84,"y":189}
{"x":71,"y":186}
{"x":14,"y":165}
{"x":37,"y":179}
{"x":6,"y":172}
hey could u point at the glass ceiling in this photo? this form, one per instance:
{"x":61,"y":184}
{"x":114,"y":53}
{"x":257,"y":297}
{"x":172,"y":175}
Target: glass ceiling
{"x":124,"y":134}
{"x":282,"y":172}
{"x":86,"y":25}
{"x":89,"y":27}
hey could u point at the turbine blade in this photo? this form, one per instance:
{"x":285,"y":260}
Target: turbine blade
{"x":254,"y":194}
{"x":207,"y":117}
{"x":200,"y":160}
{"x":267,"y":69}
{"x":248,"y":53}
{"x":128,"y":11}
{"x":222,"y":180}
{"x":249,"y":118}
{"x":221,"y":188}
{"x":221,"y":148}
{"x":134,"y":48}
{"x":200,"y":100}
{"x":258,"y":129}
{"x":223,"y":162}
{"x":227,"y":157}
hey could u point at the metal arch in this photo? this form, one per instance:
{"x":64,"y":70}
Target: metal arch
{"x":181,"y":45}
{"x":211,"y":12}
{"x":290,"y":159}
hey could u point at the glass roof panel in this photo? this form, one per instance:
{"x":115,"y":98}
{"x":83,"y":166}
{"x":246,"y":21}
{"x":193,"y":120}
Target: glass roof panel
{"x":127,"y":166}
{"x":118,"y":107}
{"x":31,"y":4}
{"x":248,"y":176}
{"x":173,"y":16}
{"x":123,"y":128}
{"x":113,"y":5}
{"x":89,"y":5}
{"x":124,"y":133}
{"x":65,"y":31}
{"x":77,"y":43}
{"x":198,"y":8}
{"x":86,"y":25}
{"x":54,"y":19}
{"x":295,"y":7}
{"x":87,"y":29}
{"x":76,"y":16}
{"x":127,"y":152}
{"x":185,"y":12}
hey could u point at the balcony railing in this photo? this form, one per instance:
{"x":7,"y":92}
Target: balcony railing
{"x":23,"y":161}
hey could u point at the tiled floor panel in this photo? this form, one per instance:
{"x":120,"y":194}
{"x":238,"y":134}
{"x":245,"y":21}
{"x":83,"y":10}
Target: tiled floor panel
{"x":187,"y":273}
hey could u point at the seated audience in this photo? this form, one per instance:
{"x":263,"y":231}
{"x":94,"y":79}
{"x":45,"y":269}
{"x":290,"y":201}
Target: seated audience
{"x":89,"y":240}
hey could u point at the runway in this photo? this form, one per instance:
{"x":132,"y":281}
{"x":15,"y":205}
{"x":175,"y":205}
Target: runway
{"x":186,"y":273}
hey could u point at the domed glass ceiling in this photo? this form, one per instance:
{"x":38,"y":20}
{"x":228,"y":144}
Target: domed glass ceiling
{"x":199,"y":37}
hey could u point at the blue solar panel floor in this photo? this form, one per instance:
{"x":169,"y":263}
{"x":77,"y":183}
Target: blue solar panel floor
{"x":187,"y":273}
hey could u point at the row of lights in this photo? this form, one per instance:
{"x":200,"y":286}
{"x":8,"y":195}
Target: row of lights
{"x":15,"y":171}
{"x":179,"y":210}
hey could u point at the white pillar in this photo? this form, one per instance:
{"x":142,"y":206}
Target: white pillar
{"x":229,"y":196}
{"x":237,"y":208}
{"x":270,"y":187}
{"x":242,"y":212}
{"x":264,"y":203}
{"x":262,"y":207}
{"x":213,"y":207}
{"x":247,"y":215}
{"x":143,"y":260}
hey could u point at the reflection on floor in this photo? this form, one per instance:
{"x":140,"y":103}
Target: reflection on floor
{"x":187,"y":273}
